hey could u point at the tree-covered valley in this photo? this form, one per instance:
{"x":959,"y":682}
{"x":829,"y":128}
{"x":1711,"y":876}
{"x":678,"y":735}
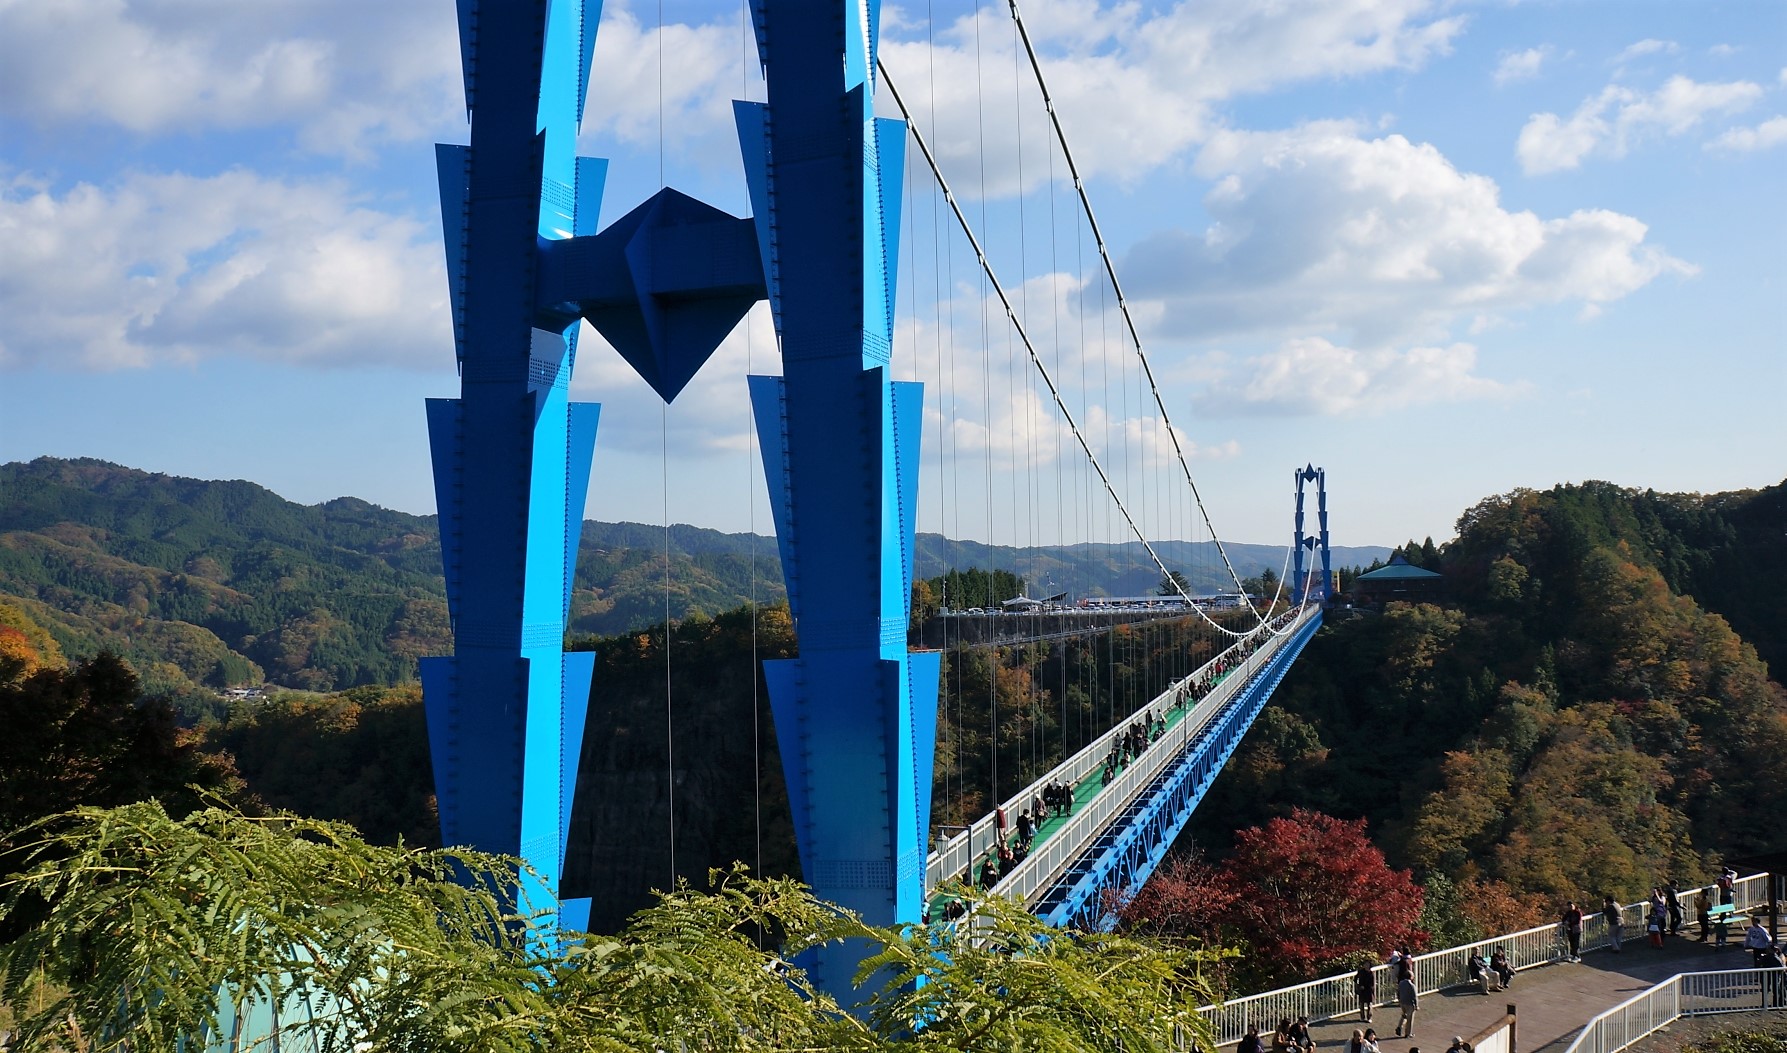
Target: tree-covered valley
{"x":206,"y":585}
{"x":1585,"y":709}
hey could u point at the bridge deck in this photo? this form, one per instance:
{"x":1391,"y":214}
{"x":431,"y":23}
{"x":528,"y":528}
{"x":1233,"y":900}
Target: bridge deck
{"x":1085,"y":791}
{"x":1553,"y":1001}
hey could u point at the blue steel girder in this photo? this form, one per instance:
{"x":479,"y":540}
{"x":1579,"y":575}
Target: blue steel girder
{"x":1132,"y":845}
{"x":855,"y":713}
{"x":512,"y":454}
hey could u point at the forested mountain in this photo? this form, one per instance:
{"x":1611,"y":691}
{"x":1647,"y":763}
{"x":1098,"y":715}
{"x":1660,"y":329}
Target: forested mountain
{"x":205,"y":585}
{"x":1574,"y":719}
{"x":1574,"y":716}
{"x":218,"y":583}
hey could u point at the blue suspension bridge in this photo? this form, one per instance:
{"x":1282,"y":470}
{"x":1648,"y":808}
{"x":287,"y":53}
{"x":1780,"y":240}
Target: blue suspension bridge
{"x":856,"y":712}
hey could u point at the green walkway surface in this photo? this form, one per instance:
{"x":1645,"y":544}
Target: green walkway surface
{"x":1083,"y":793}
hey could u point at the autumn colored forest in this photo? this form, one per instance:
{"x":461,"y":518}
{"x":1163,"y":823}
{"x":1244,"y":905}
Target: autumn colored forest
{"x":1586,"y":710}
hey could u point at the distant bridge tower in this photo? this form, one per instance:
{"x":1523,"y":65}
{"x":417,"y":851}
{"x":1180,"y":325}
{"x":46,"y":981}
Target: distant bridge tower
{"x":1310,"y":473}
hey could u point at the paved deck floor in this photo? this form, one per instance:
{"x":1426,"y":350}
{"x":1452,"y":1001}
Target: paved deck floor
{"x":1552,"y":1001}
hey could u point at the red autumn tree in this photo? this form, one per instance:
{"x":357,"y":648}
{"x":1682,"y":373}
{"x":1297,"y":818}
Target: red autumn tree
{"x":1186,"y":897}
{"x":1311,"y":889}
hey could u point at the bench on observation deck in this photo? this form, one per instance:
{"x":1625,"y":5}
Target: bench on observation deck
{"x":1721,"y":915}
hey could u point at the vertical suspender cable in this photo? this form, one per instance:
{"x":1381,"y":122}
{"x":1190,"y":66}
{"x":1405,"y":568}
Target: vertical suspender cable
{"x":991,"y":278}
{"x":664,"y":472}
{"x":1111,"y":272}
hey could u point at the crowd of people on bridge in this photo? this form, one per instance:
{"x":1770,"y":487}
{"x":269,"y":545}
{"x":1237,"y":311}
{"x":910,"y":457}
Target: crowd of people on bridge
{"x":1137,"y":737}
{"x":1012,"y":843}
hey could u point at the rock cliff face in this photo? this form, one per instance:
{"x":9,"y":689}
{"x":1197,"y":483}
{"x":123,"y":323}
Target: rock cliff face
{"x":721,"y":800}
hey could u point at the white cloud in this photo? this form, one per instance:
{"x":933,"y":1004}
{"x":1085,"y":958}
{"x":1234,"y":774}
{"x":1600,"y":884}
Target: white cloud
{"x":162,"y":268}
{"x":345,"y":76}
{"x":1770,"y":133}
{"x":1723,"y":50}
{"x":1135,"y":88}
{"x":1647,"y":47}
{"x":1311,"y":375}
{"x":1609,"y":122}
{"x":1317,"y":228}
{"x":1520,"y":65}
{"x":687,"y":97}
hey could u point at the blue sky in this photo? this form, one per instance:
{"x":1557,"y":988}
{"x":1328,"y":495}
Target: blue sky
{"x":1441,"y":249}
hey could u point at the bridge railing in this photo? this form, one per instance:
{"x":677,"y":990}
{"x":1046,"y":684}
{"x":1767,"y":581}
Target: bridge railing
{"x":960,"y":853}
{"x":1333,"y":996}
{"x":1684,"y":994}
{"x":1048,"y":859}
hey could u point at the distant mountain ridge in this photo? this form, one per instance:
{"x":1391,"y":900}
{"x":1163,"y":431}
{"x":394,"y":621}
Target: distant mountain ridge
{"x":218,"y":583}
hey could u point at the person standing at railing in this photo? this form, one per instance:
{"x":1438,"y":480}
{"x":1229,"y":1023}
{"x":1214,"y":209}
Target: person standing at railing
{"x":1727,"y":885}
{"x":1611,"y":911}
{"x":1365,"y":988}
{"x":1703,"y":912}
{"x":1572,"y":923}
{"x":1672,"y":898}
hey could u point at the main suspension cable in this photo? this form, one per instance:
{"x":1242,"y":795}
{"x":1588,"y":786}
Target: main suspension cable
{"x":1017,"y":326}
{"x":1110,"y":269}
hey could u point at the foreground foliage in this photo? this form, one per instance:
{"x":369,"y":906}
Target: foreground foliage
{"x":1740,"y":1041}
{"x":133,"y":922}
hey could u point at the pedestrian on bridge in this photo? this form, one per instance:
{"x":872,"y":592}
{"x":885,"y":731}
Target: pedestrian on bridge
{"x":1572,"y":923}
{"x":1365,"y":988}
{"x":1408,"y":1000}
{"x":1760,"y":944}
{"x":1611,"y":911}
{"x":1672,"y":897}
{"x":1703,"y":912}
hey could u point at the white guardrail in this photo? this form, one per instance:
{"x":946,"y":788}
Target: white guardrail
{"x":1050,"y":856}
{"x":1333,"y":996}
{"x":1684,"y":994}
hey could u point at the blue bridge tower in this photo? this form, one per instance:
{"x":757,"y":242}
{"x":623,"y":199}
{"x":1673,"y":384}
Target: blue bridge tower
{"x":512,"y":453}
{"x":855,"y":713}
